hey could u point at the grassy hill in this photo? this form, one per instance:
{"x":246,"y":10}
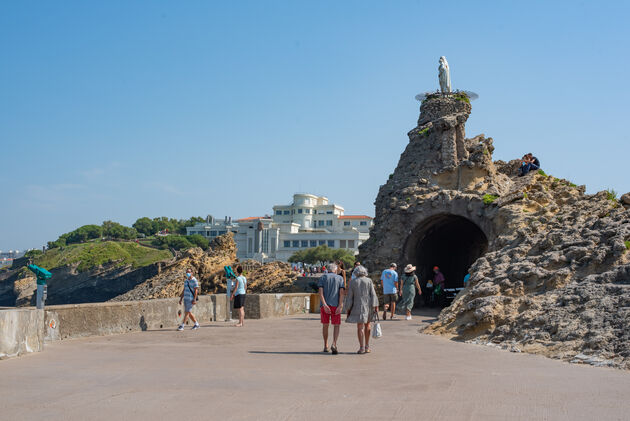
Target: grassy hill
{"x":96,"y":253}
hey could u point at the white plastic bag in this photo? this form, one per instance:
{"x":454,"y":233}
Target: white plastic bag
{"x":377,"y":332}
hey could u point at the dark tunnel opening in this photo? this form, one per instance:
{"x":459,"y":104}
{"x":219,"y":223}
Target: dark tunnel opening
{"x":449,"y":241}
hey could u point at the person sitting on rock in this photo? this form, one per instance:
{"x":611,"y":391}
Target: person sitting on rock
{"x":528,"y":163}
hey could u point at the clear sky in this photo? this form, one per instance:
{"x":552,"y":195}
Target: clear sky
{"x":114,"y":110}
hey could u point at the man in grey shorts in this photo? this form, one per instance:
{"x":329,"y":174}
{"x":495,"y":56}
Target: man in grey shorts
{"x":389,"y":279}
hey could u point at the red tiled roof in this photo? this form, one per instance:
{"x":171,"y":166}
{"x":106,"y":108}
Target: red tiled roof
{"x":355,"y":217}
{"x":251,"y":218}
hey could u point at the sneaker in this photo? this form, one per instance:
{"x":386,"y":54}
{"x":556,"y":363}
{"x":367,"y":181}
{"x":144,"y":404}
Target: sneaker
{"x":408,"y":318}
{"x":181,"y":327}
{"x":195,"y":327}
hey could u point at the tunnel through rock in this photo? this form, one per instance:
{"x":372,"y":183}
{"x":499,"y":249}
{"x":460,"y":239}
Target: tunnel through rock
{"x":449,"y":241}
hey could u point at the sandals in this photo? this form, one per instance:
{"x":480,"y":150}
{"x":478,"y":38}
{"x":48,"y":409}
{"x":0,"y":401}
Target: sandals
{"x":367,"y":350}
{"x":361,"y":351}
{"x":326,"y":350}
{"x":334,"y":350}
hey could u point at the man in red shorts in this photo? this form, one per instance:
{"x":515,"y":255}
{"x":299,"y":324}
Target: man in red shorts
{"x":331,"y":294}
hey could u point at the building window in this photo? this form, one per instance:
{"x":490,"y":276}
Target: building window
{"x":331,"y":243}
{"x":342,"y":244}
{"x":322,"y":242}
{"x":363,"y":223}
{"x":307,"y":211}
{"x":304,"y":243}
{"x":213,"y":233}
{"x":222,"y":232}
{"x":350,"y":244}
{"x":346,"y":223}
{"x":286,"y":212}
{"x":287,"y":243}
{"x":320,"y":223}
{"x":329,"y":223}
{"x":313,"y":243}
{"x":249,"y":245}
{"x":296,"y":243}
{"x":328,"y":212}
{"x":299,"y":210}
{"x":278,"y":212}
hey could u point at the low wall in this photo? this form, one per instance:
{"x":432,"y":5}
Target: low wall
{"x":21,"y":332}
{"x":98,"y":319}
{"x":25,"y":329}
{"x":262,"y":306}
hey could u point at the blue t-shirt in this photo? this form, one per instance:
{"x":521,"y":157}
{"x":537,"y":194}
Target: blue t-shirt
{"x":389,"y":278}
{"x":332,"y":284}
{"x":242,"y":284}
{"x":466,"y":279}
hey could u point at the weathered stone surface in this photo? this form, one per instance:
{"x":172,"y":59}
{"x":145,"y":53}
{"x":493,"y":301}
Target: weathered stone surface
{"x":550,"y":266}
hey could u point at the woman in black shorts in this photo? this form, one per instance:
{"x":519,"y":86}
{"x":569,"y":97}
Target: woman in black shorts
{"x":238,"y":295}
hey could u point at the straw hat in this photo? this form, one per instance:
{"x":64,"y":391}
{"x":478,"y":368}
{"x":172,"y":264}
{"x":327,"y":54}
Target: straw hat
{"x":409,"y":268}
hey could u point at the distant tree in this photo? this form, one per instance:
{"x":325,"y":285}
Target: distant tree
{"x":199,"y":241}
{"x":145,"y":226}
{"x":33,"y":253}
{"x":323,"y":254}
{"x":84,"y":233}
{"x":116,"y":230}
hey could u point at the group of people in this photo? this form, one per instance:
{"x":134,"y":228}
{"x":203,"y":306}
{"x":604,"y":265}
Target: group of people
{"x":190,"y":293}
{"x":356,"y":297}
{"x":528,"y":163}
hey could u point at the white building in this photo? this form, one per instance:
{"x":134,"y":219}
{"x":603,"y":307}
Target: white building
{"x":309,"y":221}
{"x":212,"y":228}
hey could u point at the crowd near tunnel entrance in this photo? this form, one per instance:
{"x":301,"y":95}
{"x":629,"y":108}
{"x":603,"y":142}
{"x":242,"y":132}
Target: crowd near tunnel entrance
{"x":448,"y":241}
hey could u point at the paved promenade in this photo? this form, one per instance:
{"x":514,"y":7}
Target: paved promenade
{"x":274,"y":370}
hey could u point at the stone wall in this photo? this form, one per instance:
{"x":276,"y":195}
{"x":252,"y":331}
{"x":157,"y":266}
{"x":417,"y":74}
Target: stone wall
{"x":20,"y":332}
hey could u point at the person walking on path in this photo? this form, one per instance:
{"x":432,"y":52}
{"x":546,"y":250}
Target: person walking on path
{"x":331,"y":294}
{"x":408,"y":289}
{"x":189,"y":295}
{"x":389,"y":279}
{"x":341,"y":271}
{"x":362,"y":305}
{"x":352,"y":274}
{"x":439,"y":283}
{"x":238,"y":295}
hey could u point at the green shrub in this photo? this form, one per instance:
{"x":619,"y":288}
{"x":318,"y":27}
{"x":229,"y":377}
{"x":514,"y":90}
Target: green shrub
{"x":524,"y":195}
{"x":544,"y":174}
{"x":627,"y":243}
{"x":611,"y":194}
{"x":33,"y":253}
{"x":489,"y":198}
{"x":461,"y":96}
{"x":424,"y":132}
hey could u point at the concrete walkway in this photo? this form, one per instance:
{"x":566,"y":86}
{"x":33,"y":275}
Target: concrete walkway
{"x":273,"y":369}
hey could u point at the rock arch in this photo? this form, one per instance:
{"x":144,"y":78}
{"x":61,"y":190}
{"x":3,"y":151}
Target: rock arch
{"x":447,"y":240}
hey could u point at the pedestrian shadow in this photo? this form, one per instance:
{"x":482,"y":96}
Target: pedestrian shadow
{"x":290,"y":352}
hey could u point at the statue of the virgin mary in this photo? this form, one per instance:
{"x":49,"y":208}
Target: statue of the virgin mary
{"x":445,"y":76}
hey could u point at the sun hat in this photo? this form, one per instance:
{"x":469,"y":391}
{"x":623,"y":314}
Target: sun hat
{"x":393,"y":265}
{"x":409,"y":268}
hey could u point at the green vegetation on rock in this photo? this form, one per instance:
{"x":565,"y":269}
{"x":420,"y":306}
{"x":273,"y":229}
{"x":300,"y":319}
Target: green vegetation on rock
{"x":181,"y":242}
{"x":544,"y":174}
{"x":92,"y":254}
{"x":489,"y":198}
{"x":611,"y":194}
{"x":323,"y":254}
{"x":424,"y":132}
{"x":627,"y":243}
{"x":461,"y":96}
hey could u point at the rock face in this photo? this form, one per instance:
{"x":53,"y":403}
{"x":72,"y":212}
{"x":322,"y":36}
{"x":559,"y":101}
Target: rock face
{"x":550,"y":265}
{"x":207,"y":267}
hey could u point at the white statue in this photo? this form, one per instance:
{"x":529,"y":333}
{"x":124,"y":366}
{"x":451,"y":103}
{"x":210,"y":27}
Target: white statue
{"x":445,"y":76}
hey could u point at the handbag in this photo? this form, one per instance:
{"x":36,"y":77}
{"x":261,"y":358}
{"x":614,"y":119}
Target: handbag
{"x":377,"y":332}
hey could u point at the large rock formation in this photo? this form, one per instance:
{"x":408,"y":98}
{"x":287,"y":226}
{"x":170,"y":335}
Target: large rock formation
{"x":550,"y":265}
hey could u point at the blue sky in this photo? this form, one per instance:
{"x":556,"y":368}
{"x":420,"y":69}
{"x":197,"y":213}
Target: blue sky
{"x":117,"y":110}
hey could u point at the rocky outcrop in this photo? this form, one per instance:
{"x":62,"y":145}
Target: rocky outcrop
{"x":207,"y":267}
{"x":550,"y":265}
